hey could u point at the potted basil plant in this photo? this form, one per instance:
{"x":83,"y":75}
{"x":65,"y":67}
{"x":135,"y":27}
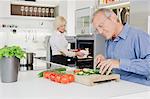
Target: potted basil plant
{"x":9,"y":63}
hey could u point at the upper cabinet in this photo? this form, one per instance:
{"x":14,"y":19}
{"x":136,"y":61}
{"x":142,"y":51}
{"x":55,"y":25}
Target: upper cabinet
{"x":30,"y":10}
{"x":113,"y":4}
{"x":83,"y":24}
{"x":83,"y":21}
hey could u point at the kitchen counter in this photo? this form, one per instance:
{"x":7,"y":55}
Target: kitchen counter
{"x":29,"y":86}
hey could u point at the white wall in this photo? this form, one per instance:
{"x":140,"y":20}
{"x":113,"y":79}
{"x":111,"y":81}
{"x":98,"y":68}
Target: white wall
{"x":4,"y":8}
{"x":67,"y":9}
{"x":3,"y":37}
{"x":63,"y":8}
{"x":71,"y":18}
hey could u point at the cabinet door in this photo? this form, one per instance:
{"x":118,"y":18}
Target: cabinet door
{"x":83,"y":18}
{"x":4,"y":8}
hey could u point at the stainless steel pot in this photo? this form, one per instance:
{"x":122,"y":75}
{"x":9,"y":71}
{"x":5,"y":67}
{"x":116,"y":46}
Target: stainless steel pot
{"x":30,"y":57}
{"x":27,"y":62}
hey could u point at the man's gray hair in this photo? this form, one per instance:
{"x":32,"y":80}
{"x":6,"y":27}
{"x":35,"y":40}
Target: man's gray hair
{"x":107,"y":12}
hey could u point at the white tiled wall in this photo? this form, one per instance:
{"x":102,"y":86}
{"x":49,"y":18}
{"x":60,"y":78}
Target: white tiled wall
{"x":3,"y":37}
{"x":30,"y":34}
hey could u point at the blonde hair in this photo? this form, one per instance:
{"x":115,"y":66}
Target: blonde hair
{"x":59,"y":21}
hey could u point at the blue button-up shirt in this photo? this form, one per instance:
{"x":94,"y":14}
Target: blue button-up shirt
{"x":132,"y":48}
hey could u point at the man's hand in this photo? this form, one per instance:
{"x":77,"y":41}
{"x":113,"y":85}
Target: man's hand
{"x":107,"y":65}
{"x":98,"y":59}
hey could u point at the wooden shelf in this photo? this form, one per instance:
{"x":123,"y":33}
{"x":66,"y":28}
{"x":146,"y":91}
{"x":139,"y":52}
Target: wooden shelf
{"x":31,"y":18}
{"x":118,"y":4}
{"x":21,"y":10}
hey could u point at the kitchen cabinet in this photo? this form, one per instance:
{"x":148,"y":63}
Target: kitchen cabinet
{"x":83,"y":16}
{"x":83,"y":24}
{"x":116,"y":4}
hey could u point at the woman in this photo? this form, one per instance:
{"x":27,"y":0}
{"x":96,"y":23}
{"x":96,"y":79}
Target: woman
{"x":59,"y":43}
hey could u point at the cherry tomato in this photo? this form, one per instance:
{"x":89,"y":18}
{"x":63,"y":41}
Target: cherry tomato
{"x":71,"y":77}
{"x":46,"y":75}
{"x":58,"y":78}
{"x":64,"y":79}
{"x":52,"y":76}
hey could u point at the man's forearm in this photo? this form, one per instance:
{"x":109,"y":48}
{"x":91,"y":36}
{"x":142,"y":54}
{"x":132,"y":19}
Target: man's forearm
{"x":138,"y":66}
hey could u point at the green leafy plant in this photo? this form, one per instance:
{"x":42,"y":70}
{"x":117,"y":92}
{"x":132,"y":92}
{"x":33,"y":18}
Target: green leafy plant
{"x":12,"y":51}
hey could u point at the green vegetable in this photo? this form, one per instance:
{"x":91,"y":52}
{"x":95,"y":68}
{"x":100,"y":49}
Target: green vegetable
{"x":87,"y":71}
{"x":40,"y":74}
{"x":60,"y":69}
{"x":12,"y":51}
{"x":96,"y":71}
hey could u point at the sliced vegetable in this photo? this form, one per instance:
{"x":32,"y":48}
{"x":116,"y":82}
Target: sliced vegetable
{"x":80,"y":73}
{"x":77,"y":70}
{"x":97,"y":71}
{"x":86,"y":71}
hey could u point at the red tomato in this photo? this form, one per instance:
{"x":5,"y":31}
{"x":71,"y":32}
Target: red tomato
{"x":71,"y":78}
{"x":64,"y":79}
{"x":52,"y":76}
{"x":58,"y":78}
{"x":46,"y":75}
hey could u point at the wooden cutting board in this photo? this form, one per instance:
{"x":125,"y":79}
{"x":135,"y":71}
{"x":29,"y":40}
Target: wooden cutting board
{"x":95,"y":79}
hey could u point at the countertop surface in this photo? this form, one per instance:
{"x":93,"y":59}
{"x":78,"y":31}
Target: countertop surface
{"x":29,"y":86}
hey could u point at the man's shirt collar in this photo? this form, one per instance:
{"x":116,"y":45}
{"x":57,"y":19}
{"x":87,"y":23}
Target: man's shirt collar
{"x":123,"y":34}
